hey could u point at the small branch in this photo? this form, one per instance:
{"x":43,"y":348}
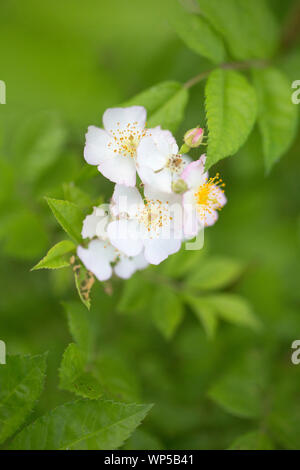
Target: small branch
{"x":291,"y":28}
{"x":227,"y":66}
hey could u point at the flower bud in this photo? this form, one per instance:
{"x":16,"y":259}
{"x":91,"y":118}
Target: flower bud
{"x":179,"y":186}
{"x":193,"y":138}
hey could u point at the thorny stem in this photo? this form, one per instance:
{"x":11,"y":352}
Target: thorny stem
{"x":227,"y":66}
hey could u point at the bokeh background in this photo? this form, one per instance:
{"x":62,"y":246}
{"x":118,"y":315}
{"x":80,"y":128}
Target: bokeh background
{"x":64,"y":63}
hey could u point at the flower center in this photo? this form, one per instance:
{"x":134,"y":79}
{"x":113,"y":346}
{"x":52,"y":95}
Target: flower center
{"x":175,"y":163}
{"x":207,"y":195}
{"x":127,"y":139}
{"x":154,"y":215}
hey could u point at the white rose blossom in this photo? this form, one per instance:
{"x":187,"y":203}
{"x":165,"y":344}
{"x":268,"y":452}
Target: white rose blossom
{"x":100,"y":255}
{"x":158,"y":162}
{"x":114,"y":148}
{"x":203,"y":199}
{"x":150,"y":225}
{"x":178,"y":198}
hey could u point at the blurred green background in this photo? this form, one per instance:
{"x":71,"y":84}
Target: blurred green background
{"x":64,"y":63}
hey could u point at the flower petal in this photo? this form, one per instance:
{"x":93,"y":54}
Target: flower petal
{"x":93,"y":223}
{"x":194,"y":174}
{"x":97,"y":258}
{"x":149,"y":155}
{"x":126,"y":200}
{"x":190,"y":215}
{"x":98,"y":146}
{"x":119,"y":118}
{"x":119,"y":169}
{"x":157,"y":249}
{"x":124,"y":234}
{"x":160,"y":181}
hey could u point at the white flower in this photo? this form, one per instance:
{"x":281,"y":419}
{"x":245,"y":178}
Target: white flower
{"x":99,"y":256}
{"x":158,"y":161}
{"x":113,"y":148}
{"x":203,"y":199}
{"x":147,"y":226}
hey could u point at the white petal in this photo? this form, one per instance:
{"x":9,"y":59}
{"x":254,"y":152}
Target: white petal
{"x":126,"y":200}
{"x":93,"y":222}
{"x":157,"y":250}
{"x":160,"y":181}
{"x":164,"y":140}
{"x":98,"y":146}
{"x":119,"y":169}
{"x":119,"y":118}
{"x":194,"y":174}
{"x":149,"y":155}
{"x":190,"y":221}
{"x":157,"y":195}
{"x":125,"y":268}
{"x":140,"y":262}
{"x":97,"y":258}
{"x":125,"y":236}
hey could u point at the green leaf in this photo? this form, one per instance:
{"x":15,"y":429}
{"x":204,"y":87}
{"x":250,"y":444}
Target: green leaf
{"x":234,"y":309}
{"x":240,"y":390}
{"x":81,"y":326}
{"x":256,"y":440}
{"x":215,"y":273}
{"x":76,"y":195}
{"x":167,"y":311}
{"x":38,"y":144}
{"x":165,"y":104}
{"x":136,"y":295}
{"x":69,"y":216}
{"x":56,"y":257}
{"x":82,"y":425}
{"x":116,"y":377}
{"x":277,"y":115}
{"x":21,"y":383}
{"x":199,"y":36}
{"x":104,"y":376}
{"x":248,"y":27}
{"x":204,"y":312}
{"x":181,"y":263}
{"x":74,"y":375}
{"x":231,"y":110}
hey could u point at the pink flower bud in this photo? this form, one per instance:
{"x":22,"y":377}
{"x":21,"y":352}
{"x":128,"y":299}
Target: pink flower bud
{"x":193,"y":138}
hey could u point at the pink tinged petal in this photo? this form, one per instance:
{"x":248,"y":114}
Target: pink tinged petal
{"x":126,"y":200}
{"x":125,"y":235}
{"x":194,"y":174}
{"x":119,"y":118}
{"x":119,"y":169}
{"x":157,"y":249}
{"x":97,"y":258}
{"x":98,"y":146}
{"x":149,"y":155}
{"x":210,"y":218}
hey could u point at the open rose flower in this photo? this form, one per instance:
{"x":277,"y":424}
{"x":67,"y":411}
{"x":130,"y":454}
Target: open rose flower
{"x":147,"y":226}
{"x":203,"y":199}
{"x":158,"y":163}
{"x":114,"y":148}
{"x":100,"y":257}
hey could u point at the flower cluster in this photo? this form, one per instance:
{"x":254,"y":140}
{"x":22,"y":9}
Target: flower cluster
{"x":145,"y":222}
